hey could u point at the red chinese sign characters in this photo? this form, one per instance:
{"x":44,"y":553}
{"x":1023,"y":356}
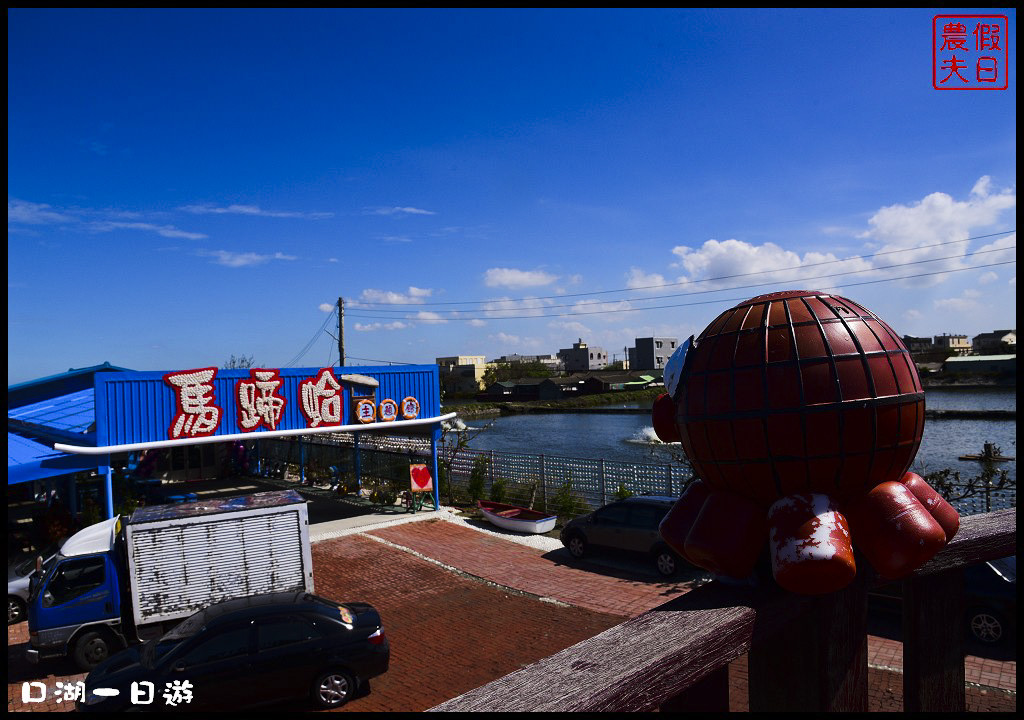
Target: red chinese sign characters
{"x":970,"y":52}
{"x":321,"y":399}
{"x":197,"y":415}
{"x":258,"y":401}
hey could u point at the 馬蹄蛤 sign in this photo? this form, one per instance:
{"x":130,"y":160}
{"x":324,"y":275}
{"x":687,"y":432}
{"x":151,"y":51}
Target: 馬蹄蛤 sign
{"x":261,"y":399}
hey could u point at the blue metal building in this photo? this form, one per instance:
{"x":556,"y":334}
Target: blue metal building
{"x":77,"y":420}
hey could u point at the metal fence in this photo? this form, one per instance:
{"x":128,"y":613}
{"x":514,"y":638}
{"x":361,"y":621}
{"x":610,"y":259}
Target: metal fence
{"x":546,"y":482}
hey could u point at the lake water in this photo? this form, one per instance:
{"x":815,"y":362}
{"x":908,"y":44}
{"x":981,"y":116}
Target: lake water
{"x":631,"y":438}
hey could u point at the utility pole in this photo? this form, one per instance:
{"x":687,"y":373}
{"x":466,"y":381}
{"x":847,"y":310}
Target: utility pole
{"x":341,"y":332}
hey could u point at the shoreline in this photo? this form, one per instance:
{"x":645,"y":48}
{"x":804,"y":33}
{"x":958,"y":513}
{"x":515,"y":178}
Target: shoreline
{"x":521,"y":409}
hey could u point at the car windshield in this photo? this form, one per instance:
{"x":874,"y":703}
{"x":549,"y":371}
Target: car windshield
{"x":25,"y":564}
{"x":1006,"y":568}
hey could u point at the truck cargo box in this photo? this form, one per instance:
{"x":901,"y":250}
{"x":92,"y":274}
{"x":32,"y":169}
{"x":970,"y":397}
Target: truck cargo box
{"x":184,"y":557}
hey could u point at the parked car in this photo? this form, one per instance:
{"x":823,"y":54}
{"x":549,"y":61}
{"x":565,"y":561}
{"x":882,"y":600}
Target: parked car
{"x":250,"y":651}
{"x":19,"y":571}
{"x":629,"y":525}
{"x":990,"y":600}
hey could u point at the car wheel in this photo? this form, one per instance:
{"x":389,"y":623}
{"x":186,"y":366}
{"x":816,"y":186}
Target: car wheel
{"x":666,"y":563}
{"x":577,"y":546}
{"x":333,"y":689}
{"x":985,"y":626}
{"x":15,"y":609}
{"x":91,"y":649}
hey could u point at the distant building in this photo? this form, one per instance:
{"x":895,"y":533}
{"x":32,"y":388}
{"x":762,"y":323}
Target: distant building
{"x":995,"y":343}
{"x":918,"y":344}
{"x":959,"y":344}
{"x":581,"y":358}
{"x":651,"y":353}
{"x":1003,"y":365}
{"x":462,"y":373}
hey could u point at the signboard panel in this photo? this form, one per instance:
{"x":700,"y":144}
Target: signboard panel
{"x":140,"y":407}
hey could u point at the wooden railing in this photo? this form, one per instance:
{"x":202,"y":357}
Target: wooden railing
{"x":804,"y":653}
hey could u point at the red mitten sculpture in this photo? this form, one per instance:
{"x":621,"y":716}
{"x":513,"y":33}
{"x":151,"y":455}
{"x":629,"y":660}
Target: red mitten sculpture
{"x":895,"y":531}
{"x":810,"y":546}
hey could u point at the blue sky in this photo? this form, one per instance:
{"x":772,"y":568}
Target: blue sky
{"x":184,"y":186}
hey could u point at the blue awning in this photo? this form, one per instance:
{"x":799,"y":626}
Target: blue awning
{"x":28,"y":460}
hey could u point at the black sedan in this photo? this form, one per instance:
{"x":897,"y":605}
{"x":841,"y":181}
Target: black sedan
{"x":990,"y":601}
{"x":247,"y":652}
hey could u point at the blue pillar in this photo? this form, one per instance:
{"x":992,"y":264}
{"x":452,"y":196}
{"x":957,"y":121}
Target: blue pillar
{"x":435,"y":436}
{"x":108,"y":471}
{"x":302,"y":462}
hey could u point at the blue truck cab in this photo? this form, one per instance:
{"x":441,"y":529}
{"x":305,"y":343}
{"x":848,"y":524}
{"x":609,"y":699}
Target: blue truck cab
{"x":74,"y":604}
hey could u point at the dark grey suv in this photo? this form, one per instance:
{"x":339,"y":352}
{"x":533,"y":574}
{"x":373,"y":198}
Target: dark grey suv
{"x":630,"y":525}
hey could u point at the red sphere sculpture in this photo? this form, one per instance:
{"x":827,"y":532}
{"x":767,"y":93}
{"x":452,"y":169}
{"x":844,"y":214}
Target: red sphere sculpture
{"x":789,"y":402}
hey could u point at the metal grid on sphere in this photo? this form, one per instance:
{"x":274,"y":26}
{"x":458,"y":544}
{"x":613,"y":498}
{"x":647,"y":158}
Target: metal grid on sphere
{"x":799,"y":391}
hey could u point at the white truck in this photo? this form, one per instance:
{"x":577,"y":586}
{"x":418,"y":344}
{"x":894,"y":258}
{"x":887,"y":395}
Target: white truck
{"x":116,"y":583}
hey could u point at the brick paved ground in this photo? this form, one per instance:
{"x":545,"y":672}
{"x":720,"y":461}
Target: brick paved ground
{"x":451,"y":632}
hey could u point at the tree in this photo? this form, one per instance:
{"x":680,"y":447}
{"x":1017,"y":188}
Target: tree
{"x":239,"y":363}
{"x":455,"y":437}
{"x":501,"y":372}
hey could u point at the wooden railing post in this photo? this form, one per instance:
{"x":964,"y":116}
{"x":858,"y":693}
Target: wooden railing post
{"x":709,"y":694}
{"x":819,"y":661}
{"x":933,"y":643}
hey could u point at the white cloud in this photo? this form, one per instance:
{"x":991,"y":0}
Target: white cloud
{"x":325,"y":307}
{"x":601,"y":310}
{"x":235,"y":259}
{"x":505,"y":307}
{"x":736,"y":262}
{"x":938,"y":218}
{"x":966,"y":303}
{"x":988,"y":278}
{"x":1000,"y":250}
{"x":512,"y":278}
{"x":414,"y":296}
{"x":370,"y":327}
{"x":399,"y":211}
{"x":477,"y":323}
{"x":572,"y":327}
{"x":253,"y":210}
{"x":637,"y":279}
{"x":163,"y":230}
{"x":429,"y":317}
{"x":30,"y":213}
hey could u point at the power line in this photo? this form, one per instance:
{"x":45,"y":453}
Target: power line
{"x":387,"y":362}
{"x":312,"y":341}
{"x":704,"y":280}
{"x":709,"y":302}
{"x":714,"y":290}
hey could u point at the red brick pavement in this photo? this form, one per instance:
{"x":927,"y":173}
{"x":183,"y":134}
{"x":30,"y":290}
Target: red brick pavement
{"x":450,"y":633}
{"x":527,"y":569}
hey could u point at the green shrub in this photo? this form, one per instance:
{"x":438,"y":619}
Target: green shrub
{"x":478,"y":478}
{"x":566,"y":503}
{"x":498,"y":490}
{"x":623,"y":492}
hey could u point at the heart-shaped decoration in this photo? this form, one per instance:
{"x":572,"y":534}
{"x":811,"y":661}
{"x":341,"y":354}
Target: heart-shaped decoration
{"x":420,"y":475}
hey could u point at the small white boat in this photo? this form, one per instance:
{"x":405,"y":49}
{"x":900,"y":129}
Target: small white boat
{"x":520,"y":519}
